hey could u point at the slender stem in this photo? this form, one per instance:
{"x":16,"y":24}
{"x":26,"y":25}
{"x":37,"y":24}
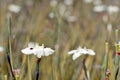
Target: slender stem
{"x":17,"y":77}
{"x":116,"y":35}
{"x":116,"y":72}
{"x":116,"y":62}
{"x":37,"y":68}
{"x":105,"y":62}
{"x":8,"y":58}
{"x":5,"y":77}
{"x":9,"y":39}
{"x":52,"y":64}
{"x":29,"y":69}
{"x":85,"y":70}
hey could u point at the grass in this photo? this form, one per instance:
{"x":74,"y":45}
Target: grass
{"x":32,"y":23}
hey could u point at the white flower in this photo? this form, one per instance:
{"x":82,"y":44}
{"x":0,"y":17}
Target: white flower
{"x":99,"y":8}
{"x":14,"y":8}
{"x":30,"y":49}
{"x":1,"y":49}
{"x":112,"y":9}
{"x":42,"y":51}
{"x":88,"y":1}
{"x":51,"y":15}
{"x":53,"y":3}
{"x":90,"y":51}
{"x":79,"y":51}
{"x":39,"y":51}
{"x":68,"y":2}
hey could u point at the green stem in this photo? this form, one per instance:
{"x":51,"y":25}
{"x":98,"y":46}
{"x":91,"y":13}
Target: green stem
{"x":17,"y":77}
{"x":116,"y":61}
{"x":29,"y":69}
{"x":116,"y":35}
{"x":5,"y":77}
{"x":105,"y":62}
{"x":86,"y":70}
{"x":9,"y":38}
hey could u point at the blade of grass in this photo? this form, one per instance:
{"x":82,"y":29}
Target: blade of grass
{"x":86,"y":70}
{"x":5,"y":77}
{"x":105,"y":62}
{"x":17,"y":77}
{"x":9,"y":39}
{"x":8,"y":58}
{"x":116,"y":35}
{"x":29,"y":68}
{"x":116,"y":59}
{"x":116,"y":62}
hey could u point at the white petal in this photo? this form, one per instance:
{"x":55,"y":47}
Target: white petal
{"x":72,"y":51}
{"x":91,"y":52}
{"x":43,"y":52}
{"x":36,"y":51}
{"x":27,"y":51}
{"x":88,"y":1}
{"x":76,"y":55}
{"x":1,"y":49}
{"x":39,"y":52}
{"x":39,"y":55}
{"x":48,"y":51}
{"x":84,"y":51}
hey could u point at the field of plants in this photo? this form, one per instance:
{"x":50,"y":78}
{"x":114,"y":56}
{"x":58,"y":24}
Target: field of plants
{"x":59,"y":39}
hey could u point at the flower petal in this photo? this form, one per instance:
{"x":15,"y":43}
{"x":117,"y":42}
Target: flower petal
{"x":27,"y":51}
{"x":1,"y":49}
{"x":39,"y":55}
{"x":76,"y":55}
{"x":84,"y":51}
{"x":91,"y":52}
{"x":48,"y":51}
{"x":72,"y":51}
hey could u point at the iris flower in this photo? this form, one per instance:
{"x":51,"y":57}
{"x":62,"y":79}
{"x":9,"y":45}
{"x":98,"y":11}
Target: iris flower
{"x":80,"y":51}
{"x":39,"y":51}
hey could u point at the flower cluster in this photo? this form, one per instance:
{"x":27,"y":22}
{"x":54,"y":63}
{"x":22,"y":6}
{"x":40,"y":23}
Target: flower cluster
{"x":39,"y":51}
{"x":80,"y":51}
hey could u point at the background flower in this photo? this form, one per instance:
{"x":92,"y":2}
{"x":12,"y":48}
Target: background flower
{"x":80,"y":51}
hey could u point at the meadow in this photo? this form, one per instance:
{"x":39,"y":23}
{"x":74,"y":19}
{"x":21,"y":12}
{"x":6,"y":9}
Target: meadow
{"x":62,"y":25}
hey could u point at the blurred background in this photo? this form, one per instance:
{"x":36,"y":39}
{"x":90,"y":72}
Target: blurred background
{"x":62,"y":25}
